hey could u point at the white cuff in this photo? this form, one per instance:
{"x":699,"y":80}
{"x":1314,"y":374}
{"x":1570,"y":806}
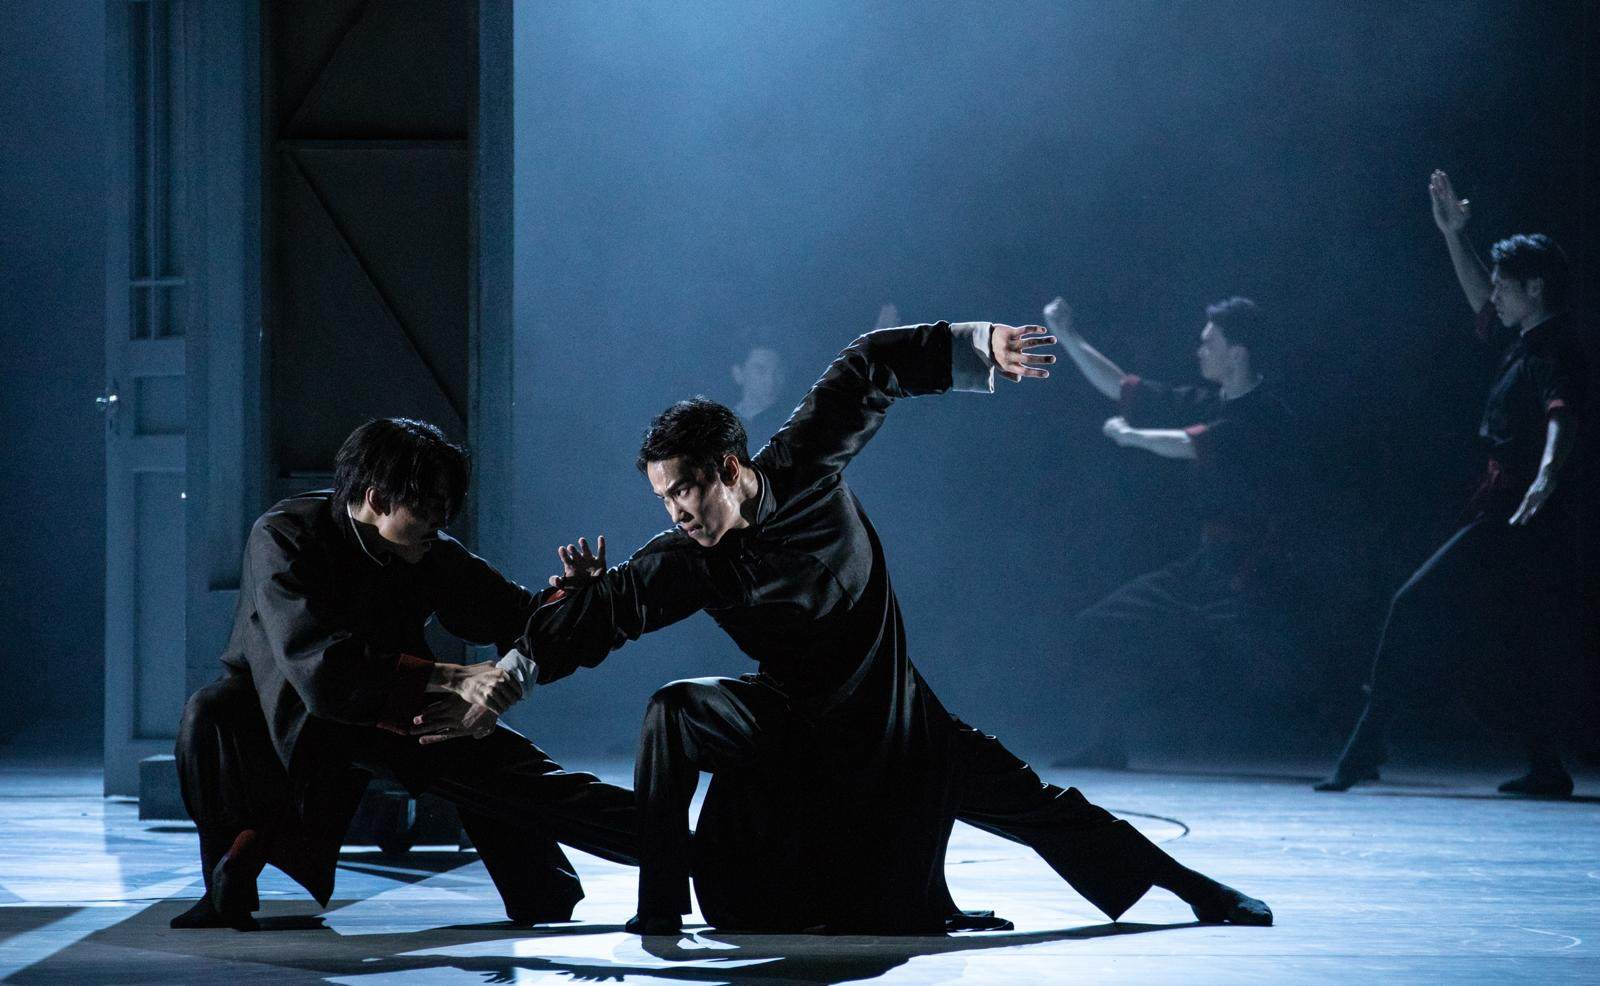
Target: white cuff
{"x":521,"y":666}
{"x":971,"y":364}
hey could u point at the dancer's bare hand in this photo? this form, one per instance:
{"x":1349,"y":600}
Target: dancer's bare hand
{"x":1009,"y":345}
{"x":1450,"y":214}
{"x":1532,"y":501}
{"x":477,"y":684}
{"x":452,"y":718}
{"x":579,"y":565}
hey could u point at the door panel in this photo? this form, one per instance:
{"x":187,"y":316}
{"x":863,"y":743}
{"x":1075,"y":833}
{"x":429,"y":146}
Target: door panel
{"x":369,"y":290}
{"x":370,"y":232}
{"x":297,"y":198}
{"x":148,"y":315}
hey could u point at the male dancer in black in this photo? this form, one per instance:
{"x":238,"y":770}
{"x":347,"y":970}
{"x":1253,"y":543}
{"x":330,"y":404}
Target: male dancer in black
{"x":837,"y":772}
{"x":327,"y":676}
{"x":1498,"y":600}
{"x":1220,"y":604}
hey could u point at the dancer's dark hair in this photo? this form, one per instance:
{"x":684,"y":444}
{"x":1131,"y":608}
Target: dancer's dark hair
{"x":701,"y":430}
{"x":406,"y":463}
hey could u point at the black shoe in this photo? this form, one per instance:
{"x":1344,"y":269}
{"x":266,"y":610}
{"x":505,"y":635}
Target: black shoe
{"x":977,"y":921}
{"x":233,"y":892}
{"x":1232,"y":907}
{"x":654,"y":924}
{"x":1344,"y":778}
{"x":1540,"y":784}
{"x":201,"y":915}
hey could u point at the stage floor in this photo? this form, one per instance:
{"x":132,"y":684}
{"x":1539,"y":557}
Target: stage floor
{"x":1430,"y":878}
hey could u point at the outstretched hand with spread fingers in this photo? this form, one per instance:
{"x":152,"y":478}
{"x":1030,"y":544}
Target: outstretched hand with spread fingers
{"x":579,"y":565}
{"x":1010,"y":345}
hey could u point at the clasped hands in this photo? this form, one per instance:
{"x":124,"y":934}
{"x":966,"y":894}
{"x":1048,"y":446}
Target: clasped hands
{"x":471,"y":699}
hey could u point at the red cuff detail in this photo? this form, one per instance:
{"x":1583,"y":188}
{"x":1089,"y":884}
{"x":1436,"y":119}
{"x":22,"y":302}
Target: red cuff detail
{"x":1200,"y":435}
{"x":1130,"y":388}
{"x":1554,"y":406}
{"x":1483,"y":322}
{"x":411,"y":674}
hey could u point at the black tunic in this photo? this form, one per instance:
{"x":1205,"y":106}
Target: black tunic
{"x":861,"y":807}
{"x":331,"y":638}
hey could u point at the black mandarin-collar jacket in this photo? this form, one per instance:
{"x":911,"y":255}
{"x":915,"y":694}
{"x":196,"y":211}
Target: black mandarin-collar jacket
{"x":846,"y":827}
{"x":331,"y":633}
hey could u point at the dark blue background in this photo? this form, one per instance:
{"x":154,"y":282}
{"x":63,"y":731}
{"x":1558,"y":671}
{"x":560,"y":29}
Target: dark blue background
{"x":687,"y":173}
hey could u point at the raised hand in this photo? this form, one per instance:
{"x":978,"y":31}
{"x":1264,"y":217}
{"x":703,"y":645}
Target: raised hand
{"x":579,"y":565}
{"x":1450,"y":214}
{"x":451,"y":717}
{"x":1058,"y":315}
{"x":1009,"y":345}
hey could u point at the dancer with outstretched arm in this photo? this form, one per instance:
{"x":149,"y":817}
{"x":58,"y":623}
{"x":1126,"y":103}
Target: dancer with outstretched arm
{"x":1222,"y":610}
{"x":836,"y":771}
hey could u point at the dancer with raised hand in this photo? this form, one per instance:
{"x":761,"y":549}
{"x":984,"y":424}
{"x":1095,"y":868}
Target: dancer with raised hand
{"x":1496,"y":607}
{"x":1219,"y":611}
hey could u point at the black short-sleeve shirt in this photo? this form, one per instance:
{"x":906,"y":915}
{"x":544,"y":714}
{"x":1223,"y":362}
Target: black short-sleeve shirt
{"x":1244,"y":457}
{"x":1540,"y":373}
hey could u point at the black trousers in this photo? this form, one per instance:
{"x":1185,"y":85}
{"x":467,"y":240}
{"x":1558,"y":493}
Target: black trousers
{"x":515,"y":803}
{"x":711,"y":724}
{"x":1184,"y":629}
{"x":1494,"y":612}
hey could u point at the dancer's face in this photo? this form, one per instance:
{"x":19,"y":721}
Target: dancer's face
{"x":1214,"y":354}
{"x":703,"y":506}
{"x":406,"y":532}
{"x":1514,"y":300}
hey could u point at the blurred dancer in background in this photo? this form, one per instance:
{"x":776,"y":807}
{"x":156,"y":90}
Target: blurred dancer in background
{"x":1217,"y":613}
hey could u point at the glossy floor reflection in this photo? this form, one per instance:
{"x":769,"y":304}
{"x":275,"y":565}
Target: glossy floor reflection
{"x":1428,"y":879}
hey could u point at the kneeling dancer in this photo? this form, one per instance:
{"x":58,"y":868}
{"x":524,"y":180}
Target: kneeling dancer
{"x":327,"y":678}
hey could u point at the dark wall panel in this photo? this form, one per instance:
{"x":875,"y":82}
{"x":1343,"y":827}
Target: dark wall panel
{"x":368,"y":223}
{"x":52,"y":361}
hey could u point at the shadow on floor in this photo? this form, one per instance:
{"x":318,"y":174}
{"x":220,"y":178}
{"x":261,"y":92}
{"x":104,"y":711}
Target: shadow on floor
{"x":410,"y":867}
{"x":295,"y":946}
